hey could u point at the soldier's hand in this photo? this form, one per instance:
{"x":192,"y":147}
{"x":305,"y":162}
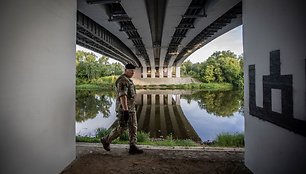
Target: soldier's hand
{"x":126,"y":115}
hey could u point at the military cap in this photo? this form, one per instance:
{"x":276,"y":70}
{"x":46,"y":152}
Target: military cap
{"x":130,"y":66}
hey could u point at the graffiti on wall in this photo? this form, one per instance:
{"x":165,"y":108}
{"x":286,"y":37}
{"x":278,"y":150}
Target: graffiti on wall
{"x":280,"y":82}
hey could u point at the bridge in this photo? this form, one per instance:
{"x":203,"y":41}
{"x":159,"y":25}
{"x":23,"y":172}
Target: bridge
{"x":158,"y":35}
{"x":37,"y":70}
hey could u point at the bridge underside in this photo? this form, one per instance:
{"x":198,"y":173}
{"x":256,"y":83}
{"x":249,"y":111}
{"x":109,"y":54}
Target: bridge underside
{"x":155,"y":35}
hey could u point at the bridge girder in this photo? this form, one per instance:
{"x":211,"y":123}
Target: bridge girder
{"x":154,"y":33}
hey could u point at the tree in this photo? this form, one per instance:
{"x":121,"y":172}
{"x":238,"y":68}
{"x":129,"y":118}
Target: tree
{"x":186,"y":67}
{"x":90,"y":68}
{"x":223,"y":66}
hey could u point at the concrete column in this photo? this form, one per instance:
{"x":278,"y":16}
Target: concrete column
{"x":169,"y":99}
{"x":161,"y":99}
{"x":144,"y":72}
{"x":161,"y":72}
{"x":173,"y":118}
{"x":163,"y":127}
{"x":178,"y":72}
{"x":274,"y":52}
{"x":153,"y":72}
{"x":169,"y":75}
{"x":143,"y":112}
{"x":152,"y":124}
{"x":153,"y":99}
{"x":37,"y":74}
{"x":144,"y":99}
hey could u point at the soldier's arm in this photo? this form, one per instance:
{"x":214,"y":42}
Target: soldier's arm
{"x":123,"y":101}
{"x":122,"y":92}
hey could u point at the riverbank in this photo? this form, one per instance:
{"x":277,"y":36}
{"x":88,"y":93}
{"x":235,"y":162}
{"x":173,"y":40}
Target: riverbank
{"x":190,"y":86}
{"x":92,"y":158}
{"x":222,"y":140}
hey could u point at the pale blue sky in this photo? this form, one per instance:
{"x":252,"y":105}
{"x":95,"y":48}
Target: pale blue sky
{"x":231,"y":40}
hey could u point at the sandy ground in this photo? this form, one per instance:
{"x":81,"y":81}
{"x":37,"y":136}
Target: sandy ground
{"x":93,"y":159}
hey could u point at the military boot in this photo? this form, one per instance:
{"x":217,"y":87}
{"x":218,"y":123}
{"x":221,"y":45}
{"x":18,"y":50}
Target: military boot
{"x":135,"y":150}
{"x":105,"y":144}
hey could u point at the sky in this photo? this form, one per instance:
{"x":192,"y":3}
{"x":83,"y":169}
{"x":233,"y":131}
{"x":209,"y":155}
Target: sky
{"x":232,"y":40}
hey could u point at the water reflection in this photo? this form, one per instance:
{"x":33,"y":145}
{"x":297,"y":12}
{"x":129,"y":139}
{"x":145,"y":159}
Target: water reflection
{"x":162,"y":115}
{"x":183,"y":114}
{"x":219,"y":103}
{"x":90,"y":103}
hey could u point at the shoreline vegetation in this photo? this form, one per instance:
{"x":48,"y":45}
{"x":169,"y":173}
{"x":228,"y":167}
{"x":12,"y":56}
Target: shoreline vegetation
{"x":222,"y":140}
{"x":193,"y":86}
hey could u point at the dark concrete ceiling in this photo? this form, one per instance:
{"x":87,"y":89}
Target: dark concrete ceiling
{"x":153,"y":33}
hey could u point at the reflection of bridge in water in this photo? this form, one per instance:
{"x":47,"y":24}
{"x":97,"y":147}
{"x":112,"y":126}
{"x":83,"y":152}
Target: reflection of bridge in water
{"x":161,"y":115}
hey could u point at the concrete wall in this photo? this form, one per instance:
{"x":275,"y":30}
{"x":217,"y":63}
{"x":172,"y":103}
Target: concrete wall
{"x":270,"y":25}
{"x":37,"y":75}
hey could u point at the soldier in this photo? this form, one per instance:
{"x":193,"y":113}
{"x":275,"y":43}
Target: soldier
{"x":126,"y":111}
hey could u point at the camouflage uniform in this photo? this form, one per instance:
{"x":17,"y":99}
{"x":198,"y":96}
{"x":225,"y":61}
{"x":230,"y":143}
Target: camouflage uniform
{"x":125,"y":86}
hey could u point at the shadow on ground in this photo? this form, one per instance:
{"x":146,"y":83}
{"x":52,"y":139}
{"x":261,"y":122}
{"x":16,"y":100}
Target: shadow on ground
{"x":93,"y":159}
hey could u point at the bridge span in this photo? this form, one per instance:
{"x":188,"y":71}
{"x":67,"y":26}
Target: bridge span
{"x":155,"y":35}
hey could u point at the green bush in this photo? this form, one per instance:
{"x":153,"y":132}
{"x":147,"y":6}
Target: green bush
{"x":230,"y":140}
{"x":87,"y":139}
{"x":102,"y":132}
{"x":124,"y":136}
{"x":143,"y":137}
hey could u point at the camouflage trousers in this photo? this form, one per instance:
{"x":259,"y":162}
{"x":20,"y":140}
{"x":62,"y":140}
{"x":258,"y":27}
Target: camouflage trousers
{"x":123,"y":124}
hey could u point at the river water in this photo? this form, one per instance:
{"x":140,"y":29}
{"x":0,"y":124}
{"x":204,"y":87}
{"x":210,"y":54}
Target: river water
{"x":184,"y":114}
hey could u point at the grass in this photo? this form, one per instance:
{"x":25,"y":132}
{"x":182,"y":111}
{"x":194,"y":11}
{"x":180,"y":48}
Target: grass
{"x":142,"y":138}
{"x":222,"y":140}
{"x":94,"y":87}
{"x":229,"y":140}
{"x":201,"y":86}
{"x":106,"y":82}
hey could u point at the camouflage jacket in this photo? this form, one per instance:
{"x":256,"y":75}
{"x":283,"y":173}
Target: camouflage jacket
{"x":125,"y":86}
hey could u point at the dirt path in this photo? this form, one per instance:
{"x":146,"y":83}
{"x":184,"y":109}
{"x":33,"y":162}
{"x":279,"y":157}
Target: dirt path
{"x":93,"y":159}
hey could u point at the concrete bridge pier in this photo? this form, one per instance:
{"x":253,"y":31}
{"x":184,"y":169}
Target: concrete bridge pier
{"x":142,"y":73}
{"x":37,"y":74}
{"x":275,"y":59}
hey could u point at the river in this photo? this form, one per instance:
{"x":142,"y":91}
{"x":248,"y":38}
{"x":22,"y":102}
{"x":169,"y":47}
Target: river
{"x":184,"y":114}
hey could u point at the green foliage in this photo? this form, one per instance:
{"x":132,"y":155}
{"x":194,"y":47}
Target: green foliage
{"x":143,"y":137}
{"x":124,"y":136}
{"x":90,"y":103}
{"x":220,"y":67}
{"x":107,"y":80}
{"x":87,"y":87}
{"x":87,"y":139}
{"x":229,"y":140}
{"x":90,"y":69}
{"x":219,"y":103}
{"x":168,"y":142}
{"x":102,"y":132}
{"x":200,"y":86}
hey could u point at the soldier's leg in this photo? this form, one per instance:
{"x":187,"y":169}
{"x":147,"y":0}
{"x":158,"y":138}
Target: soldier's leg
{"x":115,"y":133}
{"x":133,"y":135}
{"x":133,"y":128}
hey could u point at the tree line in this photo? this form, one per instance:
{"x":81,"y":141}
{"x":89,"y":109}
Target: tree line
{"x":220,"y":67}
{"x":90,"y":69}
